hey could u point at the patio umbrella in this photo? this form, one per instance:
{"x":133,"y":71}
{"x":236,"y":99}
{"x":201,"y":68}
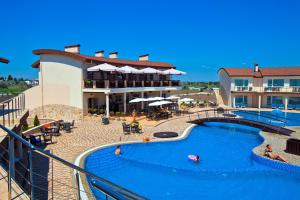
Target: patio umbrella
{"x":130,"y":70}
{"x":173,"y":72}
{"x":150,"y":70}
{"x":186,"y":100}
{"x":172,"y":97}
{"x":154,"y":99}
{"x":104,"y":67}
{"x":137,"y":100}
{"x":160,"y":103}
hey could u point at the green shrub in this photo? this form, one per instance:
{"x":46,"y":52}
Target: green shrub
{"x":25,"y":126}
{"x":36,"y":121}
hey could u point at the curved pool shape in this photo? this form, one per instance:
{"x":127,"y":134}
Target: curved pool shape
{"x":162,"y":170}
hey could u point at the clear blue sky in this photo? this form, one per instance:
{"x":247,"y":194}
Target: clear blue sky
{"x":196,"y":36}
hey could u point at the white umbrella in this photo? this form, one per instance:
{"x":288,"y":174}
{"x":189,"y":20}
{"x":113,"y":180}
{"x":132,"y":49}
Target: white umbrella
{"x":160,"y":103}
{"x":150,"y":70}
{"x":186,"y":100}
{"x":173,"y":72}
{"x":173,"y":97}
{"x":104,"y":67}
{"x":130,"y":70}
{"x":154,"y":99}
{"x":137,"y":100}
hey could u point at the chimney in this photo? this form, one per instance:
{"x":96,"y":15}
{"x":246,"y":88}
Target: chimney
{"x":144,"y":57}
{"x":73,"y":48}
{"x":99,"y":54}
{"x":256,"y":67}
{"x":113,"y":55}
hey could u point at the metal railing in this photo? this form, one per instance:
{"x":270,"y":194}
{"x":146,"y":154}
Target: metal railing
{"x":12,"y":108}
{"x":129,"y":83}
{"x":38,"y":185}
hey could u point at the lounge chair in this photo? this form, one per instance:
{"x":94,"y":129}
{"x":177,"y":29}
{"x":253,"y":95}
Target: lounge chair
{"x":35,"y":141}
{"x":47,"y":137}
{"x":291,"y":107}
{"x":297,"y":107}
{"x":273,"y":106}
{"x":67,"y":127}
{"x":281,"y":106}
{"x":126,"y":128}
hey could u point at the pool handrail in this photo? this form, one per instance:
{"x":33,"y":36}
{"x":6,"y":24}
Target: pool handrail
{"x":121,"y":192}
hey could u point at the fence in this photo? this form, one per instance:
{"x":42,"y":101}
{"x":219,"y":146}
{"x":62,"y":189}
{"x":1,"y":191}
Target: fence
{"x":12,"y":108}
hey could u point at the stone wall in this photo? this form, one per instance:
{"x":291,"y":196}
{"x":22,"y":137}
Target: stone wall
{"x":57,"y":112}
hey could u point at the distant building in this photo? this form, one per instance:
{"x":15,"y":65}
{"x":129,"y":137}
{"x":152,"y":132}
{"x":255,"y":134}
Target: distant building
{"x":64,"y":79}
{"x":276,"y":87}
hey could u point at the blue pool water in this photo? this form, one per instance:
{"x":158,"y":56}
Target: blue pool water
{"x":274,"y":117}
{"x":161,"y":170}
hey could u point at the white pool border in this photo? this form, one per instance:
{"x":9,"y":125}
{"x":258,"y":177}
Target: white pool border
{"x":83,"y":155}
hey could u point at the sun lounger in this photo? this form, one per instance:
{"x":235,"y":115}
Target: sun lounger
{"x":273,"y":106}
{"x":291,"y":107}
{"x":281,"y":106}
{"x":126,"y":128}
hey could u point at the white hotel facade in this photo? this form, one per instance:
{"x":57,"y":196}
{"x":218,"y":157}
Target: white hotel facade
{"x":65,"y":80}
{"x":276,"y":87}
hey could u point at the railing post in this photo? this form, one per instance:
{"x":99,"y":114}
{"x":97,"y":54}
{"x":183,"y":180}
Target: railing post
{"x":11,"y":164}
{"x":12,"y":112}
{"x":32,"y":197}
{"x":78,"y":186}
{"x":3,"y":113}
{"x":8,"y":113}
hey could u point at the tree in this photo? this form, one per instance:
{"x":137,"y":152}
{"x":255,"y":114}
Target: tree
{"x":10,"y":78}
{"x":36,"y":121}
{"x":25,"y":126}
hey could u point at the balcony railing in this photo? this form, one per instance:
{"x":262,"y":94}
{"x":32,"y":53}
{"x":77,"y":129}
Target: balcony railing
{"x":128,"y":83}
{"x":242,"y":89}
{"x":282,"y":89}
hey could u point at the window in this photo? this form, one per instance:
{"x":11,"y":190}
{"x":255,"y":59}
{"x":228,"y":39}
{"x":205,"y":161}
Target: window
{"x":241,"y":82}
{"x":241,"y":100}
{"x":274,"y":100}
{"x":295,"y":82}
{"x":294,"y":100}
{"x":275,"y":82}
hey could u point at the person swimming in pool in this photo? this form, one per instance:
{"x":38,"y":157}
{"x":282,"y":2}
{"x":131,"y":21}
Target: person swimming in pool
{"x":118,"y":150}
{"x":269,"y":153}
{"x":197,"y":158}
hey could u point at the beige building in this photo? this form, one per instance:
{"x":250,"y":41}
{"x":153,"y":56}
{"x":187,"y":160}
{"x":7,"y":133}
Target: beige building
{"x":276,"y":87}
{"x":64,"y":79}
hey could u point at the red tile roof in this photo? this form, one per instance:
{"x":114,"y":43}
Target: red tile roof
{"x":4,"y":60}
{"x":268,"y":71}
{"x":98,"y":60}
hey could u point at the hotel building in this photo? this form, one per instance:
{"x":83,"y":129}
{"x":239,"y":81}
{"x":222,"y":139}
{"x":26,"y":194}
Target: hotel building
{"x":276,"y":87}
{"x":64,"y":79}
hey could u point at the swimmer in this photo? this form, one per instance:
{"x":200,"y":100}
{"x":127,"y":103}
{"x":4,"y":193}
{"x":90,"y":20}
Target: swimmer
{"x":118,"y":150}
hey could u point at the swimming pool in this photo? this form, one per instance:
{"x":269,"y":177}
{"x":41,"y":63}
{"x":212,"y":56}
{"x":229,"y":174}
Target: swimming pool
{"x":275,"y":117}
{"x":161,"y":170}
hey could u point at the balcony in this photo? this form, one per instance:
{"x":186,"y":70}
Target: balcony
{"x":242,"y":89}
{"x":282,"y":89}
{"x":129,"y":84}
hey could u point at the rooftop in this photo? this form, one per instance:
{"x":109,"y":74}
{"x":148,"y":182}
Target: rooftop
{"x":4,"y":60}
{"x":99,"y":60}
{"x":265,"y":71}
